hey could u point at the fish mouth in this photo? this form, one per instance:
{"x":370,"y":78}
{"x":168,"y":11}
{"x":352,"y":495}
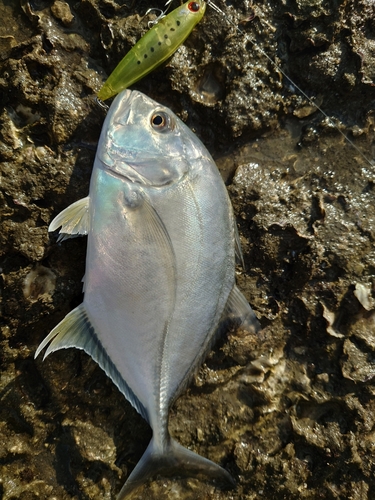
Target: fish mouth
{"x":119,"y":159}
{"x":124,"y":169}
{"x":137,"y":165}
{"x":149,"y":170}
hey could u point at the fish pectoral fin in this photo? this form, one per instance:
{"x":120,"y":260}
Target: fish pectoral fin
{"x":174,"y":460}
{"x":74,"y":220}
{"x":239,"y":311}
{"x":152,"y":232}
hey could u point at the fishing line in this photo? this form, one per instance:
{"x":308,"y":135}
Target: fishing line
{"x":278,"y":68}
{"x":192,"y":6}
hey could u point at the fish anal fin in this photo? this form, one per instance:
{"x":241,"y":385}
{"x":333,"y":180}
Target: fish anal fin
{"x":76,"y":330}
{"x":239,"y":311}
{"x":74,"y":220}
{"x":174,"y":460}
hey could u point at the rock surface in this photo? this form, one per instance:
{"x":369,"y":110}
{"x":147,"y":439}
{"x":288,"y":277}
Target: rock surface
{"x":290,"y":412}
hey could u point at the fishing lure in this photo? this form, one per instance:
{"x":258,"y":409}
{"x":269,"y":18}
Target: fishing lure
{"x":164,"y":38}
{"x":155,"y":47}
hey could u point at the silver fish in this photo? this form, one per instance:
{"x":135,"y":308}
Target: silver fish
{"x":160,"y":270}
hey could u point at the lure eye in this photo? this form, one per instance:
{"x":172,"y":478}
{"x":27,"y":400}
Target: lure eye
{"x":161,"y":122}
{"x":194,"y":6}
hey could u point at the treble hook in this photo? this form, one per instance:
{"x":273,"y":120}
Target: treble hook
{"x":160,"y":16}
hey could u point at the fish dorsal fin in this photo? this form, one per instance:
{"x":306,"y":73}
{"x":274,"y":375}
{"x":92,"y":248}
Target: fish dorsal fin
{"x":76,"y":330}
{"x":239,"y":311}
{"x":74,"y":220}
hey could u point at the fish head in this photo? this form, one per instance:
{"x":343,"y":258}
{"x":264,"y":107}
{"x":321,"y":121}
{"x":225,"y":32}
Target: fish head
{"x":146,"y":143}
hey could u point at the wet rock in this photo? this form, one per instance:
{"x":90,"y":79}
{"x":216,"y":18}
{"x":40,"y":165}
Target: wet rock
{"x":357,"y":364}
{"x":363,"y":294}
{"x":289,"y":412}
{"x":39,"y":282}
{"x":85,"y":435}
{"x":209,"y":88}
{"x":61,"y":11}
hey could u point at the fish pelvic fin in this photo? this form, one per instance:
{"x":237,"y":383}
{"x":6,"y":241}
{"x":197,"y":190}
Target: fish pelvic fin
{"x":174,"y":460}
{"x":238,"y":311}
{"x":74,"y":220}
{"x":76,"y":330}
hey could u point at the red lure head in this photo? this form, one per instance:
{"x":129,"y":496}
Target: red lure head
{"x":194,"y":6}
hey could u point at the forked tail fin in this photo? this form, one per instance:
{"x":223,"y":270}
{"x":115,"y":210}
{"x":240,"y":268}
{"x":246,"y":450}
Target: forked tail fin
{"x":175,"y":460}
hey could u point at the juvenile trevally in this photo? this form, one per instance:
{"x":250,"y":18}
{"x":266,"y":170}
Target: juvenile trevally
{"x":160,"y":270}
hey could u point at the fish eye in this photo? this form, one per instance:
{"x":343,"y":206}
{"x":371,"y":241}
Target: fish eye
{"x":158,"y":120}
{"x":161,"y":121}
{"x":193,"y":6}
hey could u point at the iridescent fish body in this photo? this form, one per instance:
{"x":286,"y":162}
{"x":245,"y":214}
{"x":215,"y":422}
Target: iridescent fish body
{"x":160,"y":270}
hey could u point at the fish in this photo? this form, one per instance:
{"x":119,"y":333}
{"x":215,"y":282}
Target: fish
{"x":160,"y":271}
{"x":155,"y":47}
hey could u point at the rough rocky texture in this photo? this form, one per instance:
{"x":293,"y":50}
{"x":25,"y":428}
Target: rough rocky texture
{"x":290,"y":412}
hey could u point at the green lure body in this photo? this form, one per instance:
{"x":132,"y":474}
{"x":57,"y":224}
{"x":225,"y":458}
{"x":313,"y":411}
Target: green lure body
{"x":155,"y":47}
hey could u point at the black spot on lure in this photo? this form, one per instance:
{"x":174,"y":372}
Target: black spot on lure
{"x":155,"y":47}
